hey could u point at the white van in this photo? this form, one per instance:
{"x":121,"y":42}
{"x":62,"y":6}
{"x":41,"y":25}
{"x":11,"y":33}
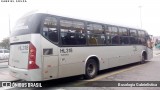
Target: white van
{"x":4,"y":54}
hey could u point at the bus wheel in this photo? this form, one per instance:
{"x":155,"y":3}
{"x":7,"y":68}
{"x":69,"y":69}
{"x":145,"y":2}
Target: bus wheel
{"x":91,"y":69}
{"x":143,"y":59}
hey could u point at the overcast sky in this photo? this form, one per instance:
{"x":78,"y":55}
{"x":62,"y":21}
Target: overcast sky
{"x":120,"y":12}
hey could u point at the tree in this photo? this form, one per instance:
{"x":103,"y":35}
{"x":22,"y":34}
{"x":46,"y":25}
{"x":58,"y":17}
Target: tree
{"x":5,"y":43}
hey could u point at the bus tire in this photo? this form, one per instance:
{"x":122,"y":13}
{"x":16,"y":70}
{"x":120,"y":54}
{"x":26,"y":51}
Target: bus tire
{"x":143,"y":59}
{"x":91,"y":69}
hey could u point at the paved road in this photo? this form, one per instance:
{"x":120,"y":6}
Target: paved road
{"x":135,"y":72}
{"x":145,"y":72}
{"x":3,"y":65}
{"x":3,"y":60}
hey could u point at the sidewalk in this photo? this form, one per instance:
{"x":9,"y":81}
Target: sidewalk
{"x":5,"y":76}
{"x":2,"y":61}
{"x":156,"y":51}
{"x":4,"y":73}
{"x":3,"y":65}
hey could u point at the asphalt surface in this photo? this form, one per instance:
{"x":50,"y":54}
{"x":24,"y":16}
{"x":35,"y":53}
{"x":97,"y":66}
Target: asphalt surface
{"x":3,"y":60}
{"x":133,"y":72}
{"x":3,"y":65}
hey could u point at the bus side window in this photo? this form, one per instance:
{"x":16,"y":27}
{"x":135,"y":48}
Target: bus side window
{"x":96,"y":35}
{"x":108,"y":37}
{"x":124,"y":38}
{"x":92,"y":40}
{"x":72,"y":32}
{"x":133,"y":37}
{"x":142,"y":37}
{"x":50,"y":29}
{"x":114,"y":34}
{"x":78,"y":27}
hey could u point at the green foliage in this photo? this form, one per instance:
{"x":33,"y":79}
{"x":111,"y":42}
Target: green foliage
{"x":5,"y":43}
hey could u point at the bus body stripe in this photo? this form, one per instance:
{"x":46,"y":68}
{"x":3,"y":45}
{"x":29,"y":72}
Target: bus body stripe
{"x":26,"y":42}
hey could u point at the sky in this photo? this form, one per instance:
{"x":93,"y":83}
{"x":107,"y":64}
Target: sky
{"x":143,"y":14}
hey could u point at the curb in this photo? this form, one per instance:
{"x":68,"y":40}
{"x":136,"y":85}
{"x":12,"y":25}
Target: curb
{"x":157,"y":53}
{"x":11,"y":79}
{"x":3,"y":61}
{"x":4,"y":67}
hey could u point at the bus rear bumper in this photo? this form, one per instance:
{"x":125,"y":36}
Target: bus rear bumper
{"x":24,"y":74}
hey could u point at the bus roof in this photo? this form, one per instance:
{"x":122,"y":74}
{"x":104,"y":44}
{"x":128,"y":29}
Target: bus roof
{"x":78,"y":18}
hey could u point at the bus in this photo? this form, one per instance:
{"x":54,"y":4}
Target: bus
{"x":44,"y":46}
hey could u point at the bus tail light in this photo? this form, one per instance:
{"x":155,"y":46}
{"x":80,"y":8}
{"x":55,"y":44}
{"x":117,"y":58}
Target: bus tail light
{"x":32,"y":57}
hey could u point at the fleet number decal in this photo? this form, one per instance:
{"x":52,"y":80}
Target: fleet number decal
{"x":23,"y":47}
{"x":65,"y":51}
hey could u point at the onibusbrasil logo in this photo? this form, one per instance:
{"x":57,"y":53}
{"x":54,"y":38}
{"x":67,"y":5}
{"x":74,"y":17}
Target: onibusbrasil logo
{"x":18,"y":84}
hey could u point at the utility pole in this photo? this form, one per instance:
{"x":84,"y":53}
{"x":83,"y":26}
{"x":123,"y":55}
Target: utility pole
{"x":140,"y":12}
{"x":9,"y":24}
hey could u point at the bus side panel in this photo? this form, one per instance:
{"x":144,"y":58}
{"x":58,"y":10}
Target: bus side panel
{"x":149,"y":53}
{"x":71,"y":61}
{"x":50,"y":59}
{"x":50,"y":67}
{"x":137,"y":50}
{"x":116,"y":57}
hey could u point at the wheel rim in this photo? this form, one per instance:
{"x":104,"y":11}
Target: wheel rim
{"x":91,"y":69}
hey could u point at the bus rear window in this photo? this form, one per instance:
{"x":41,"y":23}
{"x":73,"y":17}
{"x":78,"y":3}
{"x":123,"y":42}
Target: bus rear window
{"x":26,"y":25}
{"x":22,"y":24}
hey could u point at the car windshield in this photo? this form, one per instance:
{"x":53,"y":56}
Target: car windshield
{"x":6,"y":51}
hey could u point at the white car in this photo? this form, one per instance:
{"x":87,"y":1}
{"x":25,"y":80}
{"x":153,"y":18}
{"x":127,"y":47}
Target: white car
{"x":4,"y":54}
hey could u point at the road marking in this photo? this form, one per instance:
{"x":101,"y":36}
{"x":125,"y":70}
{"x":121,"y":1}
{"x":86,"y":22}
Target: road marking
{"x":157,"y":54}
{"x":60,"y":89}
{"x":107,"y":75}
{"x":5,"y":88}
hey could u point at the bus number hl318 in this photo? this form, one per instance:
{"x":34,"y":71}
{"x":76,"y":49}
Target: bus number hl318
{"x":66,"y":50}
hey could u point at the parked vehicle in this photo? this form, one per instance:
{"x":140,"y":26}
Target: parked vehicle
{"x":4,"y":54}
